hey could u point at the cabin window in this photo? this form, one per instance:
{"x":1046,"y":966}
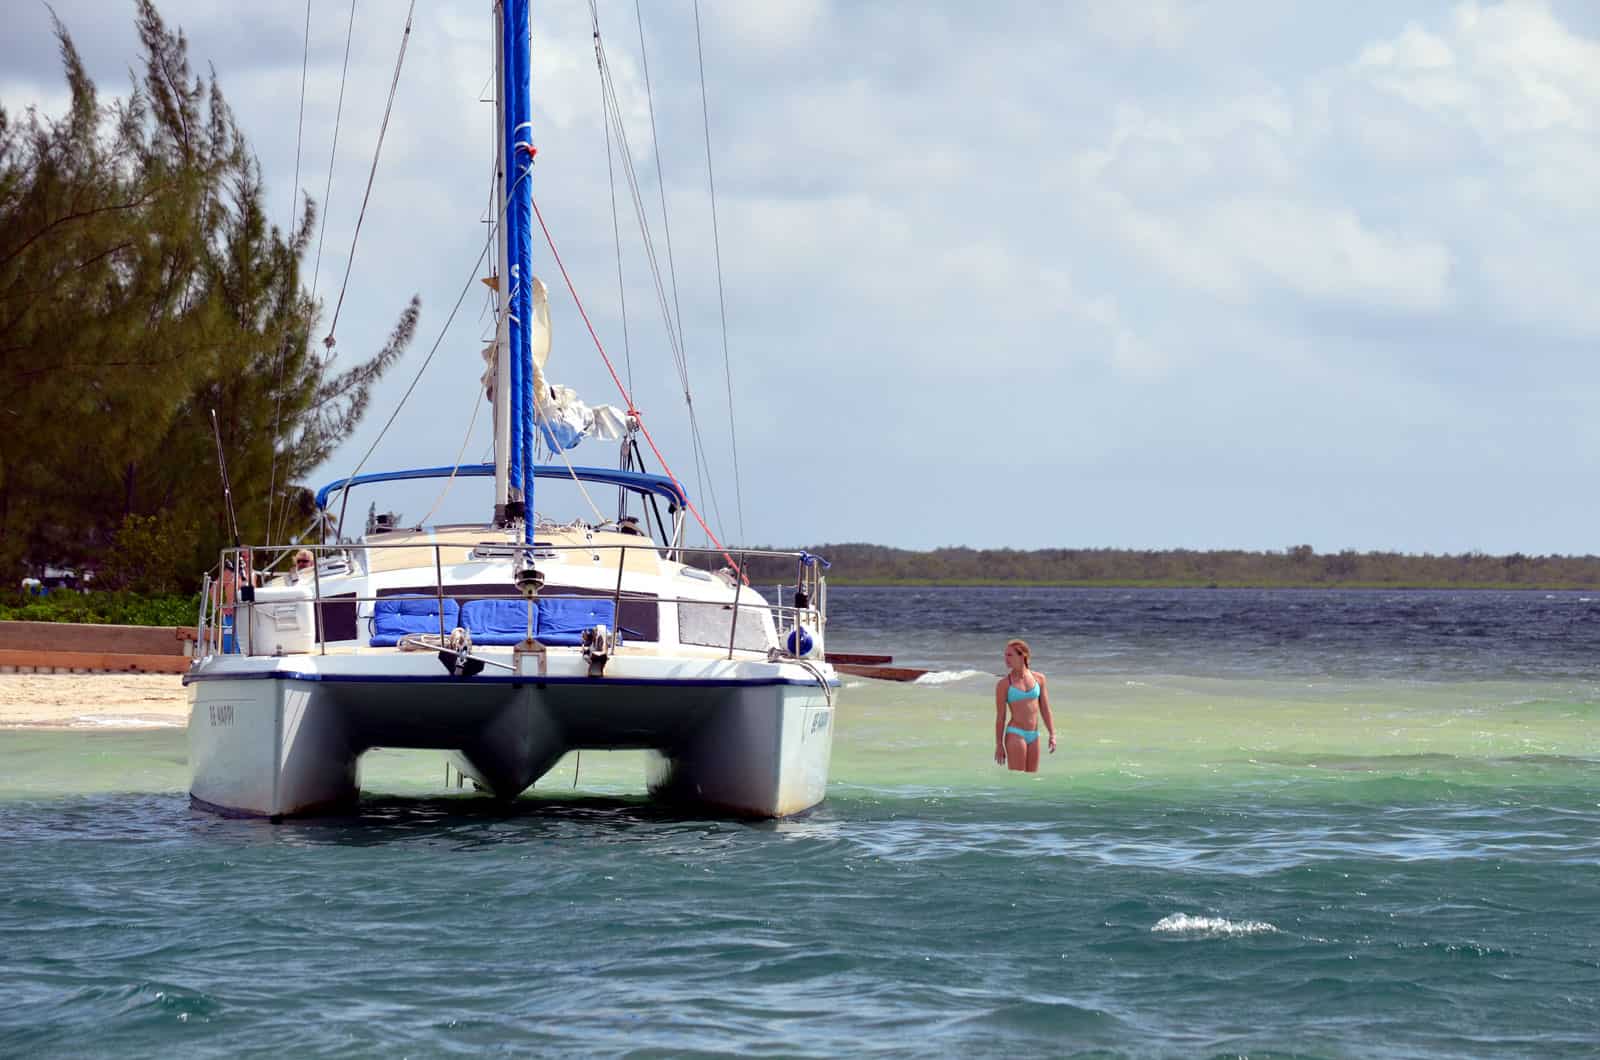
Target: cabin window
{"x":708,"y":624}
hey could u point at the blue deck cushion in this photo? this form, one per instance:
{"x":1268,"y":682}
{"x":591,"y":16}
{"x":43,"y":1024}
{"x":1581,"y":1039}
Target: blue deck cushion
{"x":563,"y":621}
{"x":395,"y":616}
{"x":497,"y":621}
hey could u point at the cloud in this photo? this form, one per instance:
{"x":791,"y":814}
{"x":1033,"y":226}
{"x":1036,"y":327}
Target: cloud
{"x":1178,"y":267}
{"x":1505,"y":69}
{"x":1162,"y":24}
{"x":772,"y":29}
{"x":1228,"y":202}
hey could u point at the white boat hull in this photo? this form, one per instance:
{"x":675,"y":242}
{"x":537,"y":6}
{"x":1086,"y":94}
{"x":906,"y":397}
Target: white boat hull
{"x":278,"y":737}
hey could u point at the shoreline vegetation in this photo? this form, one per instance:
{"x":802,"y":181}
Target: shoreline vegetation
{"x":1297,"y":567}
{"x":102,"y":608}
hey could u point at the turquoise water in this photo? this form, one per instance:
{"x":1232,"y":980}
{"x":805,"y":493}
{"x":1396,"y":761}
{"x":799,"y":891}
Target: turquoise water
{"x":1291,"y":859}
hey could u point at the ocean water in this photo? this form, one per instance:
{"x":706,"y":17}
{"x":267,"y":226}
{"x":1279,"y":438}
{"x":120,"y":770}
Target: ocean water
{"x":1280,"y":823}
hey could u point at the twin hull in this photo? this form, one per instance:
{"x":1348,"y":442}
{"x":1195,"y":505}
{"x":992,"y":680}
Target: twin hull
{"x":741,"y":737}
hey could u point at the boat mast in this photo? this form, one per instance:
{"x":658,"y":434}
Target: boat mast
{"x":514,"y":152}
{"x":502,"y":345}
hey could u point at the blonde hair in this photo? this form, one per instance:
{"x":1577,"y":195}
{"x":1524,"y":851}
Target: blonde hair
{"x":1022,"y":647}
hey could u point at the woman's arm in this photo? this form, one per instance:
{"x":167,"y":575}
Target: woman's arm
{"x":1044,"y":709}
{"x":1000,"y":721}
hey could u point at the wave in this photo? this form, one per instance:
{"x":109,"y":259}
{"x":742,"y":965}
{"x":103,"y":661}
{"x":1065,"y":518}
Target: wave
{"x":116,"y":721}
{"x":945,"y":677}
{"x":1210,"y":927}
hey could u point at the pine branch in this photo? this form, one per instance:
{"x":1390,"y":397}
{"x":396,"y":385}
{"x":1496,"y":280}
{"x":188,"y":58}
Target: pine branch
{"x":78,"y":215}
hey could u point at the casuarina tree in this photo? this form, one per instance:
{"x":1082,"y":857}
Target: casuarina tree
{"x":142,"y":286}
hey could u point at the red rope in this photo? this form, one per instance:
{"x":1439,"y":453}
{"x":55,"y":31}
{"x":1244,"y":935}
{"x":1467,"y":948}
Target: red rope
{"x":632,"y":411}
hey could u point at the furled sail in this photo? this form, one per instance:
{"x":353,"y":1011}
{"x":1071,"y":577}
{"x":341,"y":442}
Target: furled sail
{"x":563,"y":418}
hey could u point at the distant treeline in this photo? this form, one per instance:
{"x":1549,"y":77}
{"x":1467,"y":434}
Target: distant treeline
{"x":1298,"y":566}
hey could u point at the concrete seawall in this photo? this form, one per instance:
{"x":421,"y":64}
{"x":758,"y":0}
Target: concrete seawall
{"x":80,"y":647}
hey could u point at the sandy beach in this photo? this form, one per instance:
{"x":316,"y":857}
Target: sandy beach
{"x":92,"y":701}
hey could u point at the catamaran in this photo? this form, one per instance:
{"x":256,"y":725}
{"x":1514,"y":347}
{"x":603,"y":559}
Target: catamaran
{"x":510,"y":642}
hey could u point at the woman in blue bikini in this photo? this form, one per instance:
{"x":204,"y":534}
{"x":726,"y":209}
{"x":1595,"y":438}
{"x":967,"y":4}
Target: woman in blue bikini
{"x":1023,"y":692}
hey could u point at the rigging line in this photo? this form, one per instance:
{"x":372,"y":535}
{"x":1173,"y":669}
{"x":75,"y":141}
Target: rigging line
{"x":294,"y":194}
{"x":680,"y":362}
{"x":490,"y":308}
{"x":641,"y":214}
{"x":674,"y":329}
{"x":654,"y":507}
{"x":333,"y":154}
{"x":491,"y":305}
{"x":394,"y":84}
{"x":703,"y":467}
{"x":722,"y":304}
{"x":451,"y":481}
{"x":672,"y":268}
{"x":565,"y":459}
{"x":462,"y":297}
{"x":627,"y":396}
{"x":611,"y":181}
{"x":674,"y":336}
{"x":675,"y":341}
{"x":472,"y":277}
{"x":300,"y":126}
{"x":614,"y":112}
{"x":661,"y":182}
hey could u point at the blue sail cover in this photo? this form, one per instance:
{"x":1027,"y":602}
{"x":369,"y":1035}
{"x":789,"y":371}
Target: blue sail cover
{"x":508,"y":219}
{"x":518,"y":114}
{"x":558,"y":436}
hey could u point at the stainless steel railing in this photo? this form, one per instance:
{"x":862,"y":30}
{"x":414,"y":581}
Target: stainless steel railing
{"x":226,"y":609}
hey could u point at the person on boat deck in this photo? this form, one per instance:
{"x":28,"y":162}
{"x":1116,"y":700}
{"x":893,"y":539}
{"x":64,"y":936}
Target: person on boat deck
{"x":224,"y":595}
{"x":303,"y":562}
{"x":1024,"y":693}
{"x":225,"y":590}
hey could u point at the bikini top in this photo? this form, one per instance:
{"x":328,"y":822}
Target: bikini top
{"x":1013,"y":693}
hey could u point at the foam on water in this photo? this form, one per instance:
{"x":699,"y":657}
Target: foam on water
{"x":1214,"y":927}
{"x":119,"y":721}
{"x":945,"y":677}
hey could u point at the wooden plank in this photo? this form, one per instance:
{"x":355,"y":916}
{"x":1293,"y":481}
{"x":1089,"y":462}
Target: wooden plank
{"x":90,"y":637}
{"x":856,"y":658}
{"x":880,"y":673}
{"x":112,"y":662}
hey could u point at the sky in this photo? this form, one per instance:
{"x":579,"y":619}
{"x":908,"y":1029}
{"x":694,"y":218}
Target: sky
{"x":1241,"y":274}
